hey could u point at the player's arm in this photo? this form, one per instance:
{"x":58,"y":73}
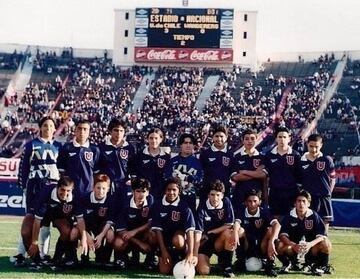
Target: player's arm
{"x":129,"y":235}
{"x":99,"y":238}
{"x":24,"y":167}
{"x":275,"y":229}
{"x":82,"y":233}
{"x":220,"y":229}
{"x":34,"y":247}
{"x":190,"y":247}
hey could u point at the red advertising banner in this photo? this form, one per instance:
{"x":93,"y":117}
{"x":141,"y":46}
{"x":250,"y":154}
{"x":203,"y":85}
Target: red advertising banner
{"x":193,"y":55}
{"x":9,"y":169}
{"x":348,"y":176}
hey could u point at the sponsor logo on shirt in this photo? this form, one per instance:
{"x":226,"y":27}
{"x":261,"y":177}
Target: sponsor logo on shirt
{"x":212,"y":159}
{"x":163,"y":214}
{"x":72,"y":154}
{"x":273,"y":160}
{"x":293,"y":224}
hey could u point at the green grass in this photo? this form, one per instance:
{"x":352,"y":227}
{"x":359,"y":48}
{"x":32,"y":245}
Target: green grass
{"x":344,"y":258}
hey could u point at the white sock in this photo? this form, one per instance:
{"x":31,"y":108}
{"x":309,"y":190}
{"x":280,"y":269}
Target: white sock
{"x":44,"y":241}
{"x":20,"y":247}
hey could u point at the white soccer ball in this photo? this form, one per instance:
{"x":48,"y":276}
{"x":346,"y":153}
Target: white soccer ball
{"x":253,"y":264}
{"x":183,"y":270}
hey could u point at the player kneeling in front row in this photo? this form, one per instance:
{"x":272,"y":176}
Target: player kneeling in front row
{"x":260,"y":230}
{"x":214,"y":220}
{"x":133,"y":226}
{"x":59,"y":207}
{"x":97,"y":215}
{"x":306,"y":226}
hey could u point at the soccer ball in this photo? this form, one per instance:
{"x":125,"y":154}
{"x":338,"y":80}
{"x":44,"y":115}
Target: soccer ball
{"x":184,"y":270}
{"x":253,"y":264}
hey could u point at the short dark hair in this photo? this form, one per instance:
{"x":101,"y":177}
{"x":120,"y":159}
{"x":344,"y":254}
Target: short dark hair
{"x":221,"y":129}
{"x":217,"y":186}
{"x":65,"y":181}
{"x":173,"y":180}
{"x":305,"y":194}
{"x":315,"y":137}
{"x":253,"y":192}
{"x":281,"y":129}
{"x":186,"y":136}
{"x":248,"y":132}
{"x":83,"y":121}
{"x":115,"y":122}
{"x":140,"y":183}
{"x":45,"y":118}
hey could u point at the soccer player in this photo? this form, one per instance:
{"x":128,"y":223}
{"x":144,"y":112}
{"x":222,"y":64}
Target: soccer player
{"x":187,"y":167}
{"x":248,"y":168}
{"x":214,"y":221}
{"x":37,"y":173}
{"x":117,"y":156}
{"x":217,"y":161}
{"x":282,"y":164}
{"x":304,"y":224}
{"x":133,"y":225}
{"x":318,"y":178}
{"x":97,"y":206}
{"x":59,"y":207}
{"x":260,"y":230}
{"x":150,"y":163}
{"x":174,"y":225}
{"x":79,"y":159}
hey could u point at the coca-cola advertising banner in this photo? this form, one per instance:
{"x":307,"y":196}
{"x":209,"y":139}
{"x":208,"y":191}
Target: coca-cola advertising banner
{"x":193,"y":55}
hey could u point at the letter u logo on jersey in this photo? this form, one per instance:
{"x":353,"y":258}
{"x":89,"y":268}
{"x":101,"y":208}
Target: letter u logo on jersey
{"x":256,"y":163}
{"x":290,"y":160}
{"x":102,"y":211}
{"x":161,"y":163}
{"x":320,"y":165}
{"x":308,"y":224}
{"x":145,"y":212}
{"x":124,"y":153}
{"x":225,"y":161}
{"x":175,"y":216}
{"x":88,"y":155}
{"x":67,"y":208}
{"x":258,"y":223}
{"x":220,"y":214}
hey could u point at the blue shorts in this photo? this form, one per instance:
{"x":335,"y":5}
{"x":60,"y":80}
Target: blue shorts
{"x":33,"y":189}
{"x":323,"y":206}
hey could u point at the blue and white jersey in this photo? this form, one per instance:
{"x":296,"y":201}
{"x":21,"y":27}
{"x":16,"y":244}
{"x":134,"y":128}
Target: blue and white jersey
{"x":316,"y":176}
{"x":117,"y":162}
{"x":188,"y":169}
{"x":38,"y":161}
{"x":80,"y":162}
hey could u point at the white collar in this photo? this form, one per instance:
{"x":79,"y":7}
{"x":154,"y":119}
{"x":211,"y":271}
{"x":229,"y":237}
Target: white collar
{"x":304,"y":157}
{"x":243,"y":152}
{"x":209,"y":206}
{"x":162,"y":151}
{"x":45,"y":141}
{"x":94,"y":200}
{"x":274,"y":150}
{"x":108,"y":142}
{"x":175,"y":203}
{"x":76,"y":144}
{"x":225,"y":149}
{"x":133,"y":204}
{"x":256,"y":215}
{"x":308,"y":213}
{"x":55,"y":197}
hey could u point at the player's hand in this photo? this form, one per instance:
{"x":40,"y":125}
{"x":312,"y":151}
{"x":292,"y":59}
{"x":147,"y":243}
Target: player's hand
{"x":98,"y":240}
{"x":165,"y":257}
{"x":127,"y":235}
{"x":84,"y":245}
{"x":33,"y":250}
{"x":296,"y":248}
{"x":190,"y":259}
{"x":271,"y":251}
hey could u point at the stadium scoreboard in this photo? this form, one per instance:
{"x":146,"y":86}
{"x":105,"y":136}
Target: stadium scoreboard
{"x":182,"y":32}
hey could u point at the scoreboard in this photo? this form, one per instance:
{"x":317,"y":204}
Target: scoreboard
{"x":180,"y":31}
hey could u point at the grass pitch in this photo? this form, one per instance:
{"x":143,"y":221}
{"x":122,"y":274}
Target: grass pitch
{"x":344,"y":258}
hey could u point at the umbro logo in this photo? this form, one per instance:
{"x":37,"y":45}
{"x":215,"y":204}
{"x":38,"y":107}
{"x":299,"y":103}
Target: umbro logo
{"x":273,"y":160}
{"x":212,"y":159}
{"x":72,"y":154}
{"x":163,"y":214}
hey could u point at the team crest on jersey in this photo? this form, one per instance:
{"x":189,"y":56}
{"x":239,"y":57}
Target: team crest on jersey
{"x":102,"y":211}
{"x":220,"y":214}
{"x":124,"y":153}
{"x":175,"y":216}
{"x":161,"y":163}
{"x":290,"y":160}
{"x":67,"y":208}
{"x":258,"y":223}
{"x":308,"y":224}
{"x":225,"y":161}
{"x":320,"y":165}
{"x":145,"y":212}
{"x":88,"y":155}
{"x":256,"y":163}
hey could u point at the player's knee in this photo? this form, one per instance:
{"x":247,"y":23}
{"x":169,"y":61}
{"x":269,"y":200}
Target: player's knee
{"x":325,"y":246}
{"x":110,"y":236}
{"x":203,"y":269}
{"x":178,"y":241}
{"x":119,"y":244}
